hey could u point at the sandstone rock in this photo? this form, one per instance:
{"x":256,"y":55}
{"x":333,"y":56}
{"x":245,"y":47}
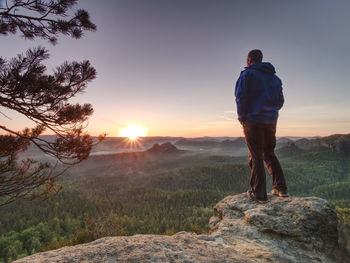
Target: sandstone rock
{"x":283,"y":230}
{"x":181,"y":247}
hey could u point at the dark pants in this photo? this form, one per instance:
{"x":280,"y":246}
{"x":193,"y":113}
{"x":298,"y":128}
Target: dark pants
{"x":261,"y":142}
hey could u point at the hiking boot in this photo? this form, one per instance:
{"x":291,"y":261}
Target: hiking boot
{"x":252,"y":197}
{"x":279,"y":193}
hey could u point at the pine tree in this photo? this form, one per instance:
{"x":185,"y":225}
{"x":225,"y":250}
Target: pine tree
{"x":42,"y":98}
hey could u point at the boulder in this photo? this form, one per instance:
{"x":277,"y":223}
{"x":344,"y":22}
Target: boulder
{"x":283,"y":230}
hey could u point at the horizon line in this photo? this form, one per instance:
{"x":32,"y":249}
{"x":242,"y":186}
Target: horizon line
{"x":206,"y":136}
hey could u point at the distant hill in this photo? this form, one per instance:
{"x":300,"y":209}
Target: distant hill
{"x":164,"y":148}
{"x":196,"y":143}
{"x":283,"y":141}
{"x":339,"y":143}
{"x":231,"y":144}
{"x":307,"y":144}
{"x":122,"y":144}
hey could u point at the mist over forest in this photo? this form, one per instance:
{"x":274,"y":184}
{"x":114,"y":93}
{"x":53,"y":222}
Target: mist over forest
{"x":163,"y":185}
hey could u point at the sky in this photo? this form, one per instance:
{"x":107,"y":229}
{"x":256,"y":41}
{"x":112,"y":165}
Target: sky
{"x":170,"y":66}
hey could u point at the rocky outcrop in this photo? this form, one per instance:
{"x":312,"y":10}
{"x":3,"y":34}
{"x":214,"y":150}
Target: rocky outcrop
{"x":283,"y":230}
{"x":166,"y":147}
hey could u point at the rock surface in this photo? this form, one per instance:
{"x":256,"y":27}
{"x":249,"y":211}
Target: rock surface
{"x":283,"y":230}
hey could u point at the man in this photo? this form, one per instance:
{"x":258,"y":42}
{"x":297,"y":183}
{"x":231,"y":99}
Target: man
{"x":259,"y":97}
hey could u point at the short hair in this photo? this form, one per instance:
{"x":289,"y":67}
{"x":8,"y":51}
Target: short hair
{"x":255,"y":55}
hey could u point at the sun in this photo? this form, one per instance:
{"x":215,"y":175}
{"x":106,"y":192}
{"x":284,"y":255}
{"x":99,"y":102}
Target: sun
{"x":132,"y":132}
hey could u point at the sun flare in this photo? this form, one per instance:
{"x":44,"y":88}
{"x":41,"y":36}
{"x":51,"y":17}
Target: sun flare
{"x":132,"y":132}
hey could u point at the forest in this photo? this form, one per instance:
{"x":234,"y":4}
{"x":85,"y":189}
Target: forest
{"x":131,"y":193}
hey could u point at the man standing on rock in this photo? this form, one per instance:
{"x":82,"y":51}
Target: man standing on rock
{"x":259,"y":97}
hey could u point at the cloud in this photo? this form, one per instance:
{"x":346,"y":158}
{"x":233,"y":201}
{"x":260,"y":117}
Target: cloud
{"x":228,"y":115}
{"x":317,"y":113}
{"x":202,"y":127}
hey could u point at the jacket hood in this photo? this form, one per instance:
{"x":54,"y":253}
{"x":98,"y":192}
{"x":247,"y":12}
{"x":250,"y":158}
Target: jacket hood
{"x":264,"y":67}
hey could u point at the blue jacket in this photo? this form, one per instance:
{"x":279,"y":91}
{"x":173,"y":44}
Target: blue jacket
{"x":259,"y":94}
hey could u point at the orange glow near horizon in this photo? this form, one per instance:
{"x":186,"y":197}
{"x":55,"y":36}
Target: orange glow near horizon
{"x":132,"y":132}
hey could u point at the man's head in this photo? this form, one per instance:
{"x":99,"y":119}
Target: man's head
{"x":254,"y":56}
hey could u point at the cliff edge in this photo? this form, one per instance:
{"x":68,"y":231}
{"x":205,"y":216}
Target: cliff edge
{"x":283,"y":230}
